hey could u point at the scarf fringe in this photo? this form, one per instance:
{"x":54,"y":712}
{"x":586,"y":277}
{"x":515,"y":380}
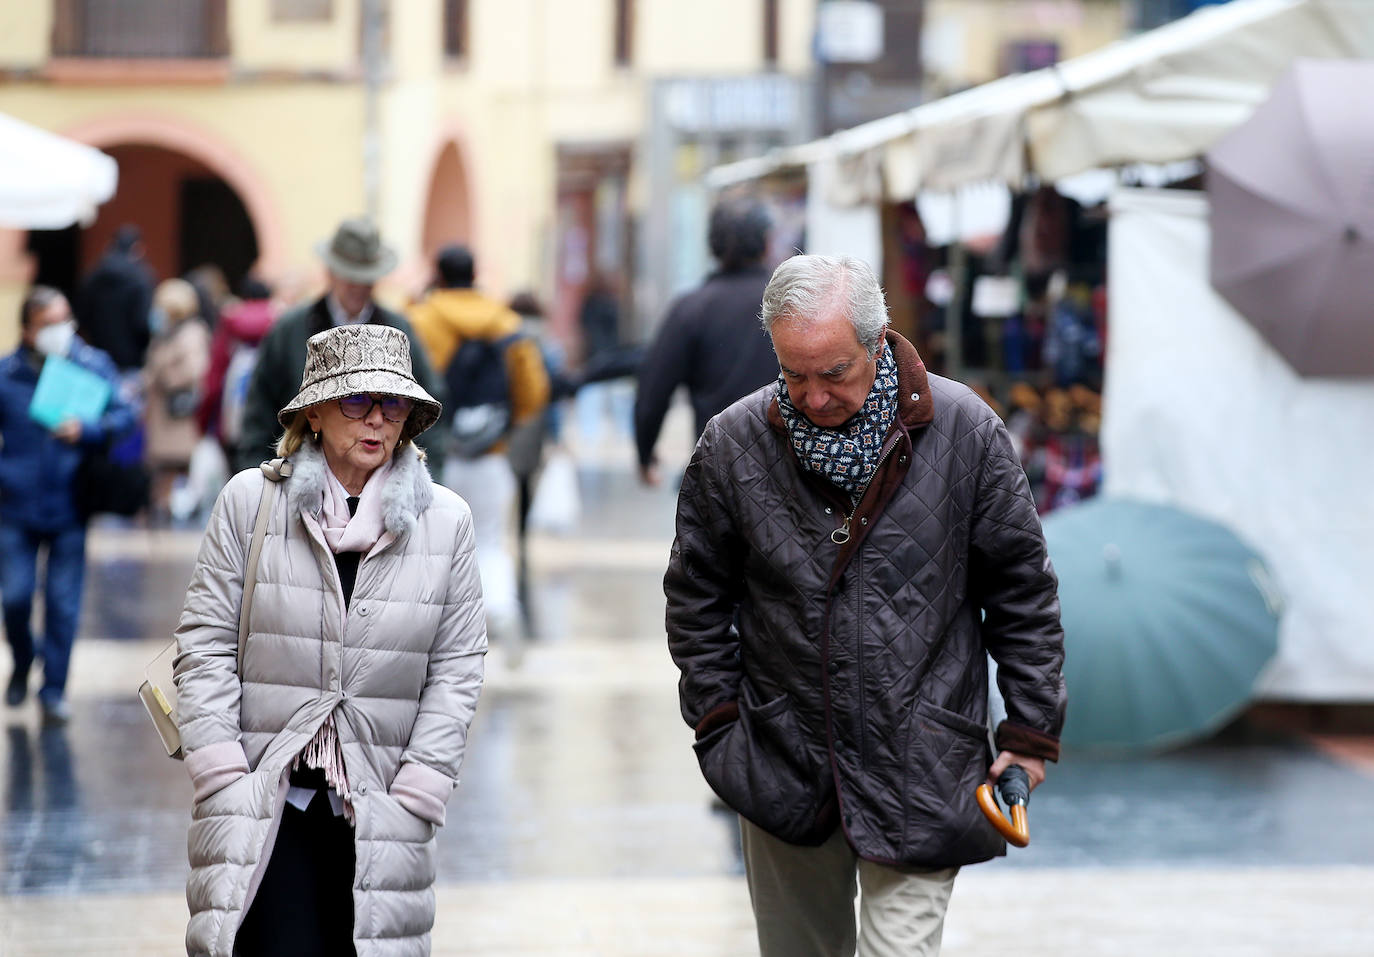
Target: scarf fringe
{"x":325,"y":753}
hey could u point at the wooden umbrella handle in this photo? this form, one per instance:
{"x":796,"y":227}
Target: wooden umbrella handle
{"x":1016,"y":830}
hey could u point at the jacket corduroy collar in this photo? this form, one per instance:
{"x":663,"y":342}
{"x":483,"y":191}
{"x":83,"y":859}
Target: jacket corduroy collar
{"x":915,"y":408}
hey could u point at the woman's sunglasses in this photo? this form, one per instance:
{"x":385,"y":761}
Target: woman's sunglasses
{"x":394,"y":408}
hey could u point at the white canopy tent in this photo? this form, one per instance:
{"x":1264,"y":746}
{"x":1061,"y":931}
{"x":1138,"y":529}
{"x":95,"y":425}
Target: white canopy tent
{"x":1158,"y":97}
{"x":1202,"y":413}
{"x":48,"y":181}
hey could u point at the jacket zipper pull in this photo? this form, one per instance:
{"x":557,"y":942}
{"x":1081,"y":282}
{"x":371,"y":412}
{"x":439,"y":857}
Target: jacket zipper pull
{"x":841,"y":535}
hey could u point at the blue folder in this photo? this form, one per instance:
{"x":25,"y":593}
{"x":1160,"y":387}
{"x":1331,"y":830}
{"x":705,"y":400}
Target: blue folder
{"x":67,"y":391}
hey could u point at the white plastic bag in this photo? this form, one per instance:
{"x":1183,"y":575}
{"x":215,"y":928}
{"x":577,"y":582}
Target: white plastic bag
{"x":206,"y":475}
{"x":557,"y":503}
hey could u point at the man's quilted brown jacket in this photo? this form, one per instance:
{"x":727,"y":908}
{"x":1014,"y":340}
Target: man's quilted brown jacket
{"x":846,"y":680}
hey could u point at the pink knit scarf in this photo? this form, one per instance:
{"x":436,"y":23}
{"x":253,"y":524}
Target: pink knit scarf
{"x":355,"y":533}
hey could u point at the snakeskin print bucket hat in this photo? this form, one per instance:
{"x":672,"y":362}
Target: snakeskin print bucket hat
{"x":362,"y":359}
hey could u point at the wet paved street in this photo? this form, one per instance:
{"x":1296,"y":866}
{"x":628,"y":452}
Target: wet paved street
{"x":582,"y":827}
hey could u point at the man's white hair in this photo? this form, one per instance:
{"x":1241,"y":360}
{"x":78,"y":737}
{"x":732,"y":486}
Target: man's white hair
{"x":803,"y":288}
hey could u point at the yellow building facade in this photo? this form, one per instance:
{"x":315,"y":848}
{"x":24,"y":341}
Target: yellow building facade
{"x":967,"y":42}
{"x":246,"y":129}
{"x":562,"y":139}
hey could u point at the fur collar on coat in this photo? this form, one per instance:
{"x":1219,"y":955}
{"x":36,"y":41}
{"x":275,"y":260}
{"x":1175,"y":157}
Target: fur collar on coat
{"x":407,"y":493}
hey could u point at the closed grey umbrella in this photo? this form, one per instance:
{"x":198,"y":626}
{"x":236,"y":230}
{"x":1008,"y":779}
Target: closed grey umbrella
{"x":1292,"y":197}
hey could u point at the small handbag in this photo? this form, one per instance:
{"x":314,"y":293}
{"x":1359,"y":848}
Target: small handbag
{"x":158,"y":690}
{"x":105,"y":485}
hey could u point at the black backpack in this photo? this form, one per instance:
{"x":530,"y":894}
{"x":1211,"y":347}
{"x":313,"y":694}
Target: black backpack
{"x":478,"y":404}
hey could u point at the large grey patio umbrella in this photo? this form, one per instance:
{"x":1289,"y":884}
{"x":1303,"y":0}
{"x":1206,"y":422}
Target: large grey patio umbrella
{"x":1292,"y":197}
{"x":1168,"y":620}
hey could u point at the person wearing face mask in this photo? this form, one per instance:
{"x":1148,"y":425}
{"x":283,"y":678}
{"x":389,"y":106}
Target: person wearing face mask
{"x":355,"y":258}
{"x":38,"y":511}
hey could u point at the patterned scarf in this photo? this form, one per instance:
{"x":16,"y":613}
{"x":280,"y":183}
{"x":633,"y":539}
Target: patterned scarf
{"x":848,"y":455}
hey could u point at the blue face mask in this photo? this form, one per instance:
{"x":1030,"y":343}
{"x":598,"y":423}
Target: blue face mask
{"x":157,"y":321}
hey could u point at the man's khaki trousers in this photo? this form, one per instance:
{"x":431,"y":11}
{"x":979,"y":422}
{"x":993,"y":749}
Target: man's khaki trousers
{"x":803,"y":900}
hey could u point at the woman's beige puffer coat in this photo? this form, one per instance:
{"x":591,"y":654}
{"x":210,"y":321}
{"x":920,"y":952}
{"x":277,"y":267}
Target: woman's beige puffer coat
{"x":401,"y":672}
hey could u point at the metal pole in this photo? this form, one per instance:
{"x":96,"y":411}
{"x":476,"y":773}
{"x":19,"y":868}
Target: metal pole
{"x":954,"y":315}
{"x":372,"y":84}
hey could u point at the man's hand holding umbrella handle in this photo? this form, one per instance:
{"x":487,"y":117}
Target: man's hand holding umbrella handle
{"x":1035,"y":767}
{"x":1030,"y":772}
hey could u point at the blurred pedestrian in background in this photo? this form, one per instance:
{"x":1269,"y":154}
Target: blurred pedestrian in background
{"x":355,"y":258}
{"x":173,"y":376}
{"x":852,"y":543}
{"x":114,"y":301}
{"x":599,"y":318}
{"x":528,"y":439}
{"x":496,"y":382}
{"x":233,"y":356}
{"x":334,"y":743}
{"x":38,"y":510}
{"x":212,"y":292}
{"x":710,"y":340}
{"x":601,"y":400}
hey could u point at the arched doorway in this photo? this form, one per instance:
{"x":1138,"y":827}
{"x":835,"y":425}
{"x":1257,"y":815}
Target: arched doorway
{"x":448,"y":210}
{"x":188,"y":214}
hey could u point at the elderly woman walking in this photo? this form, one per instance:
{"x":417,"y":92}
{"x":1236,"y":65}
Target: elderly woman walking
{"x":322,"y":760}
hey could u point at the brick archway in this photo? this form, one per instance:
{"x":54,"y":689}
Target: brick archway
{"x":179,"y":136}
{"x":448,"y":204}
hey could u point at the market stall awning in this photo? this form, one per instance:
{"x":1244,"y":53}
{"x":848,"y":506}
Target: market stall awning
{"x":1158,"y":97}
{"x":48,"y":181}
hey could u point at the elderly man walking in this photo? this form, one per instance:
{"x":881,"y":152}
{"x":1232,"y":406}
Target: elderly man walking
{"x":853,"y":541}
{"x":355,"y":258}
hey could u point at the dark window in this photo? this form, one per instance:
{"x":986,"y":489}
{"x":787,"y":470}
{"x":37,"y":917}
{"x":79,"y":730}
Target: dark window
{"x":215,"y":228}
{"x":288,"y":11}
{"x":1023,"y":56}
{"x":770,"y":32}
{"x":1155,"y":13}
{"x":624,"y":32}
{"x":455,"y":28}
{"x":901,"y":59}
{"x":57,"y":256}
{"x":187,"y":29}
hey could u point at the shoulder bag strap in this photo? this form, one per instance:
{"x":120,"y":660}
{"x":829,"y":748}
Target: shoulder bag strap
{"x":274,"y":471}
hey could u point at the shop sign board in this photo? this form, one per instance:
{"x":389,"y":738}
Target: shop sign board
{"x":849,"y":31}
{"x":733,"y":104}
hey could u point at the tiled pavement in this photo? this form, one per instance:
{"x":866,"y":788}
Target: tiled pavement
{"x":582,"y":827}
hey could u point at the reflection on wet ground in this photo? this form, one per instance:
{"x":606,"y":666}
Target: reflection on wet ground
{"x":580,"y":769}
{"x":575,"y":773}
{"x":1245,"y":799}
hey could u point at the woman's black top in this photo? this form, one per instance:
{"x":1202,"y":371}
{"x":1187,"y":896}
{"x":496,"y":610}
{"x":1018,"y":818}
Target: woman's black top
{"x":347,"y":562}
